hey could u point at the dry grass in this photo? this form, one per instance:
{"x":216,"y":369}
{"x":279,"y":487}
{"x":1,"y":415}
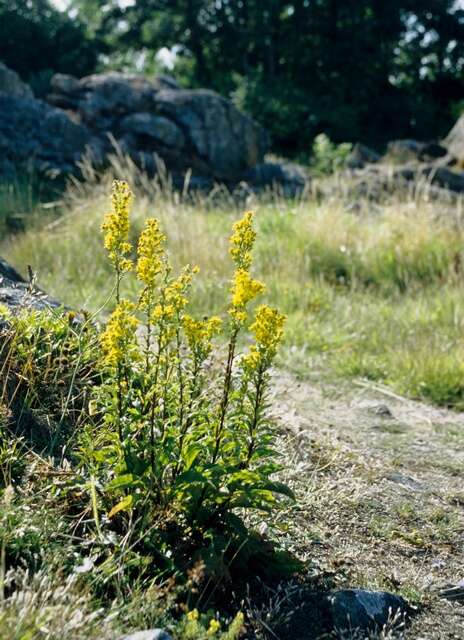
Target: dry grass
{"x":375,"y":293}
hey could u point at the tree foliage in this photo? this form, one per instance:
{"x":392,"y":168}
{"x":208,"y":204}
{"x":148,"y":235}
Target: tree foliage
{"x":365,"y":70}
{"x":36,"y":39}
{"x":355,"y":69}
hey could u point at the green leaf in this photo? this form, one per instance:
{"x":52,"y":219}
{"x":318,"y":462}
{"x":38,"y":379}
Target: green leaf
{"x":125,"y":480}
{"x":279,"y":487}
{"x":190,"y":453}
{"x":123,"y":505}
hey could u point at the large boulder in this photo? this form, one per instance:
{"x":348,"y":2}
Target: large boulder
{"x":43,"y":137}
{"x":187,"y":129}
{"x":454,"y":141}
{"x":153,"y":121}
{"x":12,"y":85}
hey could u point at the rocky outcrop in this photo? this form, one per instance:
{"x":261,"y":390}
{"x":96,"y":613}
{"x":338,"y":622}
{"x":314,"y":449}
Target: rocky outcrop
{"x":288,"y":178}
{"x":360,"y":156}
{"x":198,"y":136}
{"x":413,"y":150}
{"x":35,"y":134}
{"x":16,"y":293}
{"x":187,"y":129}
{"x":11,"y":84}
{"x":454,"y":141}
{"x":435,"y":168}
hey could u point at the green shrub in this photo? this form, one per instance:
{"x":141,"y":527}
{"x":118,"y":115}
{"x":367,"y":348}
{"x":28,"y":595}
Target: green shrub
{"x":327,"y":156}
{"x":46,"y":371}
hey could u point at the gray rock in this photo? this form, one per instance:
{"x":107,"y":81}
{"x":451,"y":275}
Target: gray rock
{"x":413,"y":150}
{"x":12,"y":85}
{"x":445,"y":177}
{"x":33,"y":132}
{"x":454,"y":141}
{"x":406,"y":481}
{"x":365,"y":610}
{"x":16,"y":293}
{"x":453,"y":592}
{"x":220,"y":137}
{"x":381,"y":410}
{"x":290,"y":177}
{"x":156,"y":128}
{"x":63,"y":83}
{"x":433,"y":150}
{"x":111,"y":95}
{"x":196,"y":130}
{"x":7,"y":272}
{"x":149,"y":634}
{"x":166,"y":82}
{"x":360,"y":156}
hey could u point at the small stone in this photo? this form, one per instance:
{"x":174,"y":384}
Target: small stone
{"x":453,"y":592}
{"x":382,"y":410}
{"x":360,"y":609}
{"x":406,"y":481}
{"x":149,"y":634}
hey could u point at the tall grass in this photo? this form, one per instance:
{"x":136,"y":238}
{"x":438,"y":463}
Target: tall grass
{"x":376,"y":294}
{"x":24,"y":198}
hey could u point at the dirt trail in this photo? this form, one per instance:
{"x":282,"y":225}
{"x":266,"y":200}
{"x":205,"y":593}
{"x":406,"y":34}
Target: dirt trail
{"x":380,"y":481}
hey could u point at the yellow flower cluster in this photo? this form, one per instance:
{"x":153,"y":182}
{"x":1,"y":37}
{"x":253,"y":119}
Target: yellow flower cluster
{"x":242,"y":241}
{"x":244,"y":290}
{"x":119,"y":341}
{"x":268,"y":329}
{"x":214,"y":626}
{"x":175,"y":295}
{"x":116,"y":226}
{"x":199,"y":333}
{"x":150,"y":253}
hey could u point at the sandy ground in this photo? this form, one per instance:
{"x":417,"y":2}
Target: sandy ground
{"x":380,"y":488}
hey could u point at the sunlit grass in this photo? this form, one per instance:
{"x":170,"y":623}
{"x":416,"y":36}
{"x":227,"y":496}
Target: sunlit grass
{"x":376,"y":295}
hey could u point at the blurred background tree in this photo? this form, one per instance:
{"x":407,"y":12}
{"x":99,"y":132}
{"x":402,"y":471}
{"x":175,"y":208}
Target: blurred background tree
{"x":37,"y":40}
{"x":358,"y":70}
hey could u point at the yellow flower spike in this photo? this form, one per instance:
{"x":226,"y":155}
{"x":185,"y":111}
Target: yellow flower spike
{"x":242,"y":241}
{"x":150,"y":253}
{"x":116,"y":226}
{"x":176,"y":291}
{"x":193,"y":615}
{"x":119,"y":341}
{"x":244,"y":290}
{"x":213,"y":628}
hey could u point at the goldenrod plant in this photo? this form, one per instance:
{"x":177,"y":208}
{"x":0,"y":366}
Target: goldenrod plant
{"x":157,"y":421}
{"x":184,"y":447}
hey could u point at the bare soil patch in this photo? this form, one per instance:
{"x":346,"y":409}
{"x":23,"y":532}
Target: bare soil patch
{"x":380,"y":493}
